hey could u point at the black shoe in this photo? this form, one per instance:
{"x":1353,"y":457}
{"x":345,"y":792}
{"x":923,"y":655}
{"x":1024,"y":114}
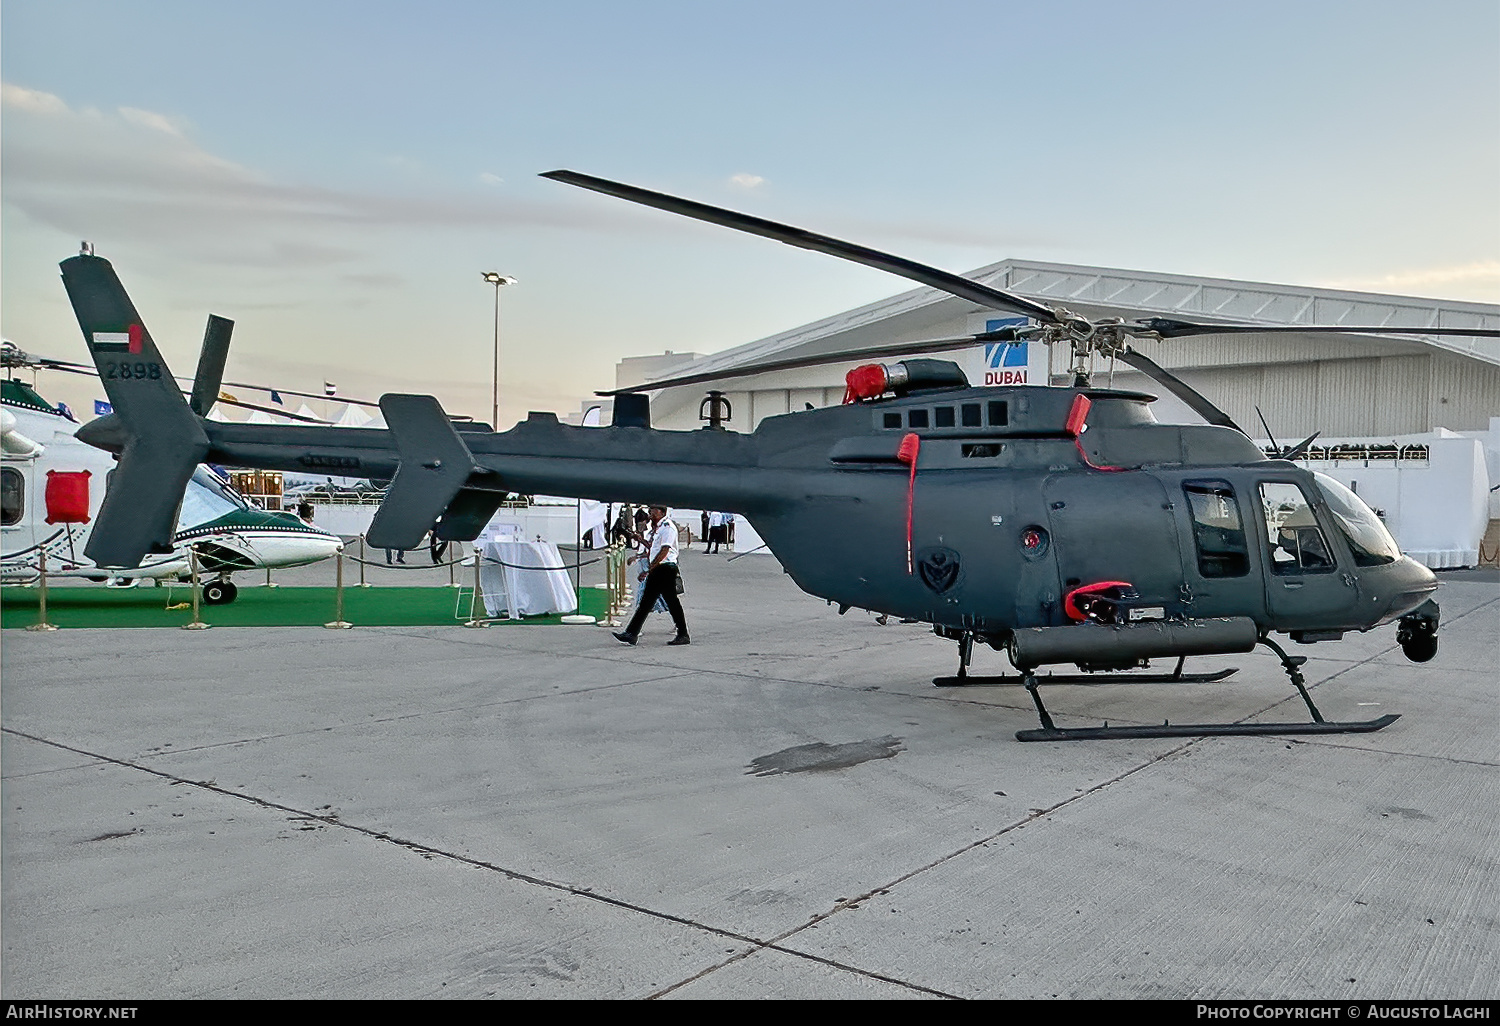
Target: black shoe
{"x":681,"y":639}
{"x":625,"y":637}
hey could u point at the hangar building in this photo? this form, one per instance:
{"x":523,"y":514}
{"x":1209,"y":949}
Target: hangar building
{"x":1420,"y":389}
{"x":1350,"y":386}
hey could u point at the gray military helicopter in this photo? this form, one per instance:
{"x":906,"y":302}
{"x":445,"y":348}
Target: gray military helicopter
{"x":1057,"y":525}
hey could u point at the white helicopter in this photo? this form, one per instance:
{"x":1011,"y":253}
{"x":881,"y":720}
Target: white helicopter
{"x":51,"y":487}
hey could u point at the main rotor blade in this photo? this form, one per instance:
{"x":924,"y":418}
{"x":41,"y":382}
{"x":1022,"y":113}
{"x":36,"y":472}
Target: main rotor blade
{"x":271,"y":410}
{"x":1274,"y":444}
{"x":935,"y":345}
{"x":1166,"y":327}
{"x":1181,"y":389}
{"x":303,"y":395}
{"x":1299,"y":450}
{"x":953,"y":284}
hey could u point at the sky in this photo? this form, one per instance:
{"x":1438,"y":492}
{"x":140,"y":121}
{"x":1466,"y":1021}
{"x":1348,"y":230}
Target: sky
{"x":336,"y":176}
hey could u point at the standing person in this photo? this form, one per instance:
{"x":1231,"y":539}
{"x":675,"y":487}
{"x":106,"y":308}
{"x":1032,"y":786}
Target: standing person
{"x":703,"y":518}
{"x":661,"y":579}
{"x":715,"y":531}
{"x":620,"y":533}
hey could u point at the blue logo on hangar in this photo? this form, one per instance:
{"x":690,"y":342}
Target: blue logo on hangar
{"x":1005,"y":362}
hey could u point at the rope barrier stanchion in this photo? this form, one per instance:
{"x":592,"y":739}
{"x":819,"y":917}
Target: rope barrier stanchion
{"x":339,"y":623}
{"x":617,"y":586}
{"x":474,"y":620}
{"x":270,"y":583}
{"x":41,"y":622}
{"x":197,"y":624}
{"x":459,"y":548}
{"x":361,"y":562}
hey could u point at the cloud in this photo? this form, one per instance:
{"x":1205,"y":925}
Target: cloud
{"x":31,"y":101}
{"x":743,"y":180}
{"x":491,"y":179}
{"x":136,"y":175}
{"x":149,"y":119}
{"x":1479,"y":280}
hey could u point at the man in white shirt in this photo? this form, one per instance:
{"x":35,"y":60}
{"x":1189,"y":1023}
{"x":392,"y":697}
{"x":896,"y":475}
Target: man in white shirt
{"x":661,"y":580}
{"x":715,"y":531}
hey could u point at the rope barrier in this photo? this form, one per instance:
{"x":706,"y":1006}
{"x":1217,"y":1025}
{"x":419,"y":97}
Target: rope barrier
{"x":466,"y":560}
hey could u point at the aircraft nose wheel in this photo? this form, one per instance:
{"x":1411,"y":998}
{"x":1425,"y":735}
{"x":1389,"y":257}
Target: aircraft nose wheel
{"x":219,"y":593}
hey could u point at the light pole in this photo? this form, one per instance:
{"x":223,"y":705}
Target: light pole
{"x":496,"y":279}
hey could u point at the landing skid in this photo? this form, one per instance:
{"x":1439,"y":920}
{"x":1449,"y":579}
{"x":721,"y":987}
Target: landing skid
{"x":1292,"y":664}
{"x":1107,"y":732}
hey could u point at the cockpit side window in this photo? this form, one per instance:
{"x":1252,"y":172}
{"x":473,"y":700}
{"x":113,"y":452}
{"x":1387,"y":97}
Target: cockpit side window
{"x":1218,"y":532}
{"x":1296,"y":543}
{"x":12,"y":496}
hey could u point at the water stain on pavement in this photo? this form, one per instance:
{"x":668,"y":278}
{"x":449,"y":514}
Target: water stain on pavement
{"x":818,"y":758}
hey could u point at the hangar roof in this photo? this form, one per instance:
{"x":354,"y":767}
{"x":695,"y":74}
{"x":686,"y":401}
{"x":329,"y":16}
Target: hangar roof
{"x":1104,"y":291}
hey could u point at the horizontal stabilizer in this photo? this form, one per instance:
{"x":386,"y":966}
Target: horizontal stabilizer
{"x":434,"y":465}
{"x":468,"y":514}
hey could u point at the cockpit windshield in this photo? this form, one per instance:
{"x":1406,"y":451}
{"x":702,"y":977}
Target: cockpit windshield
{"x":1371,"y":542}
{"x":207,"y":498}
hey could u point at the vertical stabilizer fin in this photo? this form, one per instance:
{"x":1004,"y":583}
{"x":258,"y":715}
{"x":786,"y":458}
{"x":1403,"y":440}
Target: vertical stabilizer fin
{"x":163,"y":441}
{"x":211,"y":364}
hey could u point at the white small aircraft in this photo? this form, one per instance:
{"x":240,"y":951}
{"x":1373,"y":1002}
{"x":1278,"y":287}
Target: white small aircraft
{"x":51,"y":487}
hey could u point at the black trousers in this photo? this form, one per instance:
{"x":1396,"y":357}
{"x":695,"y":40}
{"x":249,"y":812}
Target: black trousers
{"x":661,"y":582}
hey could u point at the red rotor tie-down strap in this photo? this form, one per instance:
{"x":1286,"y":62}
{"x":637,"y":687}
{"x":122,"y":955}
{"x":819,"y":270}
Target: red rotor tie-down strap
{"x":910,"y":446}
{"x":864,"y":382}
{"x":1070,"y":600}
{"x":1077,"y":424}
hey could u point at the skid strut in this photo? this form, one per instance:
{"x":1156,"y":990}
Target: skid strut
{"x":1291,"y":664}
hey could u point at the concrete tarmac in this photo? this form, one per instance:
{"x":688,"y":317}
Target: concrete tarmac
{"x":785,"y":808}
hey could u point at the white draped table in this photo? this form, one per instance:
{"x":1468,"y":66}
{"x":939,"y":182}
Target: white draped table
{"x":522,"y":578}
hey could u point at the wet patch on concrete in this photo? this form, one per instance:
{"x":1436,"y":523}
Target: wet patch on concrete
{"x":818,"y":758}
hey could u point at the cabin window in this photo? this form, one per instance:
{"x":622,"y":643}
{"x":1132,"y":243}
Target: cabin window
{"x":971,"y":416}
{"x":942,"y":416}
{"x":892,"y":420}
{"x":981,"y":450}
{"x":916,"y":418}
{"x":1295,"y":541}
{"x":999,"y":413}
{"x":1218,"y":532}
{"x":12,"y":496}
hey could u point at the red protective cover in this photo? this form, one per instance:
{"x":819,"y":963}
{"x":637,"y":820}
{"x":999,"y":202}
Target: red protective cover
{"x":68,"y":496}
{"x":866,"y":382}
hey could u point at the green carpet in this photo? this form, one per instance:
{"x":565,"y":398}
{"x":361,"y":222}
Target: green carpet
{"x":146,"y":606}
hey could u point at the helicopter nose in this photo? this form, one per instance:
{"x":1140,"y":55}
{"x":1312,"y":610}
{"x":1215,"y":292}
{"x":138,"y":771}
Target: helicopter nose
{"x":1402,"y":586}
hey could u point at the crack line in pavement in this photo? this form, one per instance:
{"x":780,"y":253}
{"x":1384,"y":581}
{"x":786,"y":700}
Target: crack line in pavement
{"x":775,"y":942}
{"x":417,"y":847}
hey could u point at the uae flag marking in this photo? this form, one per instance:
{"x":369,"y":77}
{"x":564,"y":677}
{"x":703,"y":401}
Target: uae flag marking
{"x":128,"y":341}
